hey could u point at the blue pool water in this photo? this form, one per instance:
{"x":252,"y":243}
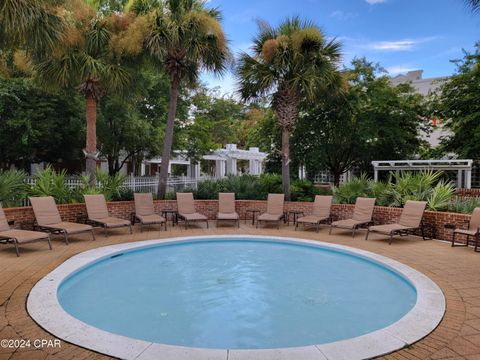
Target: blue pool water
{"x":237,"y":294}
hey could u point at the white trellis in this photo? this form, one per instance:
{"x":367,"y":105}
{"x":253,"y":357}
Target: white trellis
{"x":463,"y":167}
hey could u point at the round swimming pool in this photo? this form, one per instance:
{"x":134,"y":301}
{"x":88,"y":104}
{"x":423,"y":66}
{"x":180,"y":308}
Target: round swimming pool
{"x":238,"y":293}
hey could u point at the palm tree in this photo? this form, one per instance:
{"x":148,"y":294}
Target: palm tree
{"x":474,"y":5}
{"x":184,"y":37}
{"x":84,"y":59}
{"x":291,"y":63}
{"x":33,"y":24}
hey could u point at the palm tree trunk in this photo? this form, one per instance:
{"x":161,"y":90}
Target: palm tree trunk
{"x":286,"y":103}
{"x":91,"y":145}
{"x":285,"y":163}
{"x":168,"y":139}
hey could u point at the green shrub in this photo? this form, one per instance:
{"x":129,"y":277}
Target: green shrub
{"x":421,"y":186}
{"x":413,"y":186}
{"x":348,"y":192}
{"x":441,"y":196}
{"x":111,"y":186}
{"x":464,"y":206}
{"x":271,"y":184}
{"x":12,"y":187}
{"x":303,"y":190}
{"x":123,"y":194}
{"x":245,"y":187}
{"x":171,"y":196}
{"x":206,"y":190}
{"x":49,"y":182}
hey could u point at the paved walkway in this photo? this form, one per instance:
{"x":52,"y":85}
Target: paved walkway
{"x":456,"y":271}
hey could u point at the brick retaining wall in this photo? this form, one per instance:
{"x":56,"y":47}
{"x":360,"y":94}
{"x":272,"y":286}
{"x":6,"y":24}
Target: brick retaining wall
{"x":382,"y":215}
{"x":467,"y":192}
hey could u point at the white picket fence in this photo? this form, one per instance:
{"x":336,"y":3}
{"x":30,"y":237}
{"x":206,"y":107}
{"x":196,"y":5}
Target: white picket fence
{"x":139,"y":183}
{"x":150,"y":183}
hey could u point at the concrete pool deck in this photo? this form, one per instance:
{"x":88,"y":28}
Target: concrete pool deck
{"x":454,"y":270}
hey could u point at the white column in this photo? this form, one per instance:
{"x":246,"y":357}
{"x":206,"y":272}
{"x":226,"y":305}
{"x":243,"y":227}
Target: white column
{"x":254,"y":167}
{"x":197,"y":171}
{"x":468,"y":179}
{"x":459,"y":179}
{"x":375,"y":175}
{"x":231,"y":166}
{"x":251,"y":167}
{"x":301,"y":172}
{"x":142,"y":169}
{"x":219,"y":169}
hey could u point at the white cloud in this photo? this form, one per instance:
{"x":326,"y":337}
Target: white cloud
{"x":397,"y":45}
{"x":373,"y":2}
{"x":341,"y":15}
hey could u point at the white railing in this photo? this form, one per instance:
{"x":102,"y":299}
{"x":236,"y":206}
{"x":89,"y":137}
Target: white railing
{"x":139,"y":183}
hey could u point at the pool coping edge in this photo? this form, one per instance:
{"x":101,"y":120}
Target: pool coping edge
{"x":421,"y":320}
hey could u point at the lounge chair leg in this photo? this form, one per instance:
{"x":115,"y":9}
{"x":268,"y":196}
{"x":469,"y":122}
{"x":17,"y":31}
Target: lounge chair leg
{"x":330,"y":232}
{"x":16,"y":247}
{"x":476,"y":242}
{"x":93,"y":235}
{"x":368,"y":232}
{"x":453,"y":239}
{"x":105,"y":230}
{"x":65,"y":235}
{"x":49,"y":242}
{"x":318,"y":227}
{"x":207,"y":224}
{"x":353,"y":233}
{"x":391,"y":238}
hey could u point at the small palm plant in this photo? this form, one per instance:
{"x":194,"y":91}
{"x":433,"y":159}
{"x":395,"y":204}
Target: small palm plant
{"x":292,"y":62}
{"x":12,"y":187}
{"x":111,"y":186}
{"x":441,"y":196}
{"x":49,"y":182}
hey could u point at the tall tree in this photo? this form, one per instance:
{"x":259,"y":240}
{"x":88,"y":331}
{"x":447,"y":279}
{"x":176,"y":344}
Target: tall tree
{"x":90,"y":57}
{"x":292,"y":62}
{"x":458,"y":104}
{"x":373,"y":121}
{"x":184,"y":37}
{"x":31,"y":24}
{"x":37,"y":126}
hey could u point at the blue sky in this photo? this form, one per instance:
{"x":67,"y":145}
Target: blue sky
{"x":401,"y":35}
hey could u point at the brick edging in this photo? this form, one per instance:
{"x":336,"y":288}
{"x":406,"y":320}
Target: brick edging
{"x":123,"y":209}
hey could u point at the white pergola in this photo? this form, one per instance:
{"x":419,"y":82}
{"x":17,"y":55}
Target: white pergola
{"x":225,"y":161}
{"x":463,"y":167}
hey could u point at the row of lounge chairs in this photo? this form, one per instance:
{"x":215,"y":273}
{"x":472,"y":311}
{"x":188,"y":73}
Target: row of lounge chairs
{"x":48,"y":219}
